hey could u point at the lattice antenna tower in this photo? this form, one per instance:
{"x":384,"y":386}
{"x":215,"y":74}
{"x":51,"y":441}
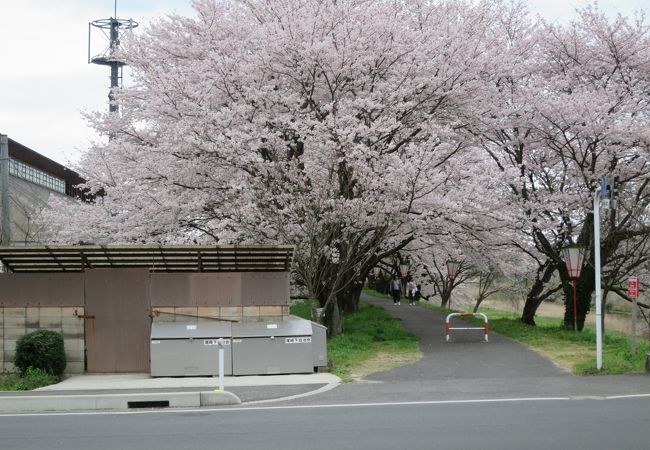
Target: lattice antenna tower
{"x":111,"y":28}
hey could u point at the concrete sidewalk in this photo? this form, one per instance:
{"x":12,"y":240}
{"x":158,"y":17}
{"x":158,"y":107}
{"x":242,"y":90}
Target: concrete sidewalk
{"x":101,"y":382}
{"x":90,"y":392}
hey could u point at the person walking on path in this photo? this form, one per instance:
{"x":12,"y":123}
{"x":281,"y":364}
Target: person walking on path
{"x":396,"y":289}
{"x":414,"y":293}
{"x":409,"y":291}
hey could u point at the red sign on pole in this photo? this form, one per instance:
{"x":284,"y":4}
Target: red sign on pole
{"x":633,"y":287}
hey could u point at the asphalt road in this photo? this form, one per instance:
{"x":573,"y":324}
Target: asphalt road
{"x":524,"y":424}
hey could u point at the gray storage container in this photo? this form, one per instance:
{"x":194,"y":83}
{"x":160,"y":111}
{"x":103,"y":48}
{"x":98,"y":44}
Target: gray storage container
{"x":189,"y":349}
{"x":319,"y":344}
{"x":260,"y":348}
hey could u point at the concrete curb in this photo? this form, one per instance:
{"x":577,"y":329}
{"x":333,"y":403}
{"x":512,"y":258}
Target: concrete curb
{"x":116,"y":401}
{"x":327,"y":387}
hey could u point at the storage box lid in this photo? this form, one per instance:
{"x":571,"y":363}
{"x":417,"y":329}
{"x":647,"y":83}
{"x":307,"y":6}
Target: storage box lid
{"x":186,"y":330}
{"x":293,"y":326}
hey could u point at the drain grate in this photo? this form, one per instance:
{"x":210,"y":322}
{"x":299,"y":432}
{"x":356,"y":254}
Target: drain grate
{"x":149,"y":404}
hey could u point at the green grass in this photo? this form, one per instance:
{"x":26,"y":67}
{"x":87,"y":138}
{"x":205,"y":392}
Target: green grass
{"x":376,"y":293}
{"x":32,"y":379}
{"x":366,"y":333}
{"x":301,"y":308}
{"x":8,"y":382}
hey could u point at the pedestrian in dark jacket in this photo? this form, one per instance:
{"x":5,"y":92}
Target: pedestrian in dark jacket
{"x":396,"y":290}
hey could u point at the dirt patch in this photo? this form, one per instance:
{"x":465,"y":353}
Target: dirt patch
{"x":564,"y":358}
{"x":383,"y":361}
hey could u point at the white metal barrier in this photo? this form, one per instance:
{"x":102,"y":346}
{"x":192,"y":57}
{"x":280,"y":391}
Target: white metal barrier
{"x":467,"y":314}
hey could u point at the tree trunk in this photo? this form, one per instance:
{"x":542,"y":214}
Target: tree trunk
{"x":534,"y":298}
{"x":530,"y":306}
{"x":567,"y":288}
{"x":331,"y":315}
{"x":335,"y":322}
{"x":445,"y":295}
{"x":349,"y":297}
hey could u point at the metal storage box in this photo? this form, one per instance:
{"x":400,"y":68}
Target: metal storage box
{"x":284,"y":346}
{"x":189,"y":349}
{"x":319,"y":344}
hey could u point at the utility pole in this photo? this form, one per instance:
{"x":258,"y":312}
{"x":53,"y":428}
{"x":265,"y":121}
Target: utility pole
{"x":607,"y":195}
{"x":599,"y":324}
{"x":5,"y":236}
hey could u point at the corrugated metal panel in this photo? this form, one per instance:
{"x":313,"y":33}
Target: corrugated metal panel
{"x":170,"y":289}
{"x":51,"y":289}
{"x":195,"y":289}
{"x":216,"y":289}
{"x":219,"y":289}
{"x":118,"y":323}
{"x":265,"y":289}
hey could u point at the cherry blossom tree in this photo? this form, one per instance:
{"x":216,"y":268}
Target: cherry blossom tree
{"x":573,"y":110}
{"x":332,"y":125}
{"x":357,"y":129}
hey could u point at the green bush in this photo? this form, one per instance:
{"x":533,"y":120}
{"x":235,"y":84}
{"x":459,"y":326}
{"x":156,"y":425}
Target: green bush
{"x":35,"y":378}
{"x":41,"y":349}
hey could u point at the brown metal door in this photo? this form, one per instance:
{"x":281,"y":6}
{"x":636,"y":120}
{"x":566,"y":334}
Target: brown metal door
{"x":118,"y":323}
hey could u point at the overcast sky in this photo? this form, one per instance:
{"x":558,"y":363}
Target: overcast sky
{"x":46,"y":82}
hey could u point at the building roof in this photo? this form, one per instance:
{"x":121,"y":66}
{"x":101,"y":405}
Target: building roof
{"x":156,"y":258}
{"x":35,"y":159}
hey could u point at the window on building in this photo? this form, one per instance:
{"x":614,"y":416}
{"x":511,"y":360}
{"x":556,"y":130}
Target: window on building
{"x":32,"y":174}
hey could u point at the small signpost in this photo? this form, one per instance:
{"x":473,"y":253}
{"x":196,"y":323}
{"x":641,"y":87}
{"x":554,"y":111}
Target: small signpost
{"x":633,"y":293}
{"x":633,"y":287}
{"x":221,"y":342}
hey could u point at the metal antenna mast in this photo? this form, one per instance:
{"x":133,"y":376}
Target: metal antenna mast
{"x":111,"y":29}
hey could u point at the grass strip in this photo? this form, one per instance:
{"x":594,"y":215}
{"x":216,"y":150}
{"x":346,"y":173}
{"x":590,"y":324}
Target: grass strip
{"x":32,"y":379}
{"x":367,"y":333}
{"x":571,"y":349}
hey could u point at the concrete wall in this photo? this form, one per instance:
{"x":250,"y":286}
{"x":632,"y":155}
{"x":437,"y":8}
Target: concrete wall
{"x":27,"y":201}
{"x":17,"y":321}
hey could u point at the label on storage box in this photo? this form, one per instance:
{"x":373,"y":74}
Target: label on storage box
{"x":216,"y":341}
{"x":297,"y":340}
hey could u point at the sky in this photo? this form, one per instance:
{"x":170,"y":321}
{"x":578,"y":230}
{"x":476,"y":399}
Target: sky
{"x":46,"y":82}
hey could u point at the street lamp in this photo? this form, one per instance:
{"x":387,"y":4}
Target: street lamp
{"x":574,"y":257}
{"x":404,"y":270}
{"x":452,"y":269}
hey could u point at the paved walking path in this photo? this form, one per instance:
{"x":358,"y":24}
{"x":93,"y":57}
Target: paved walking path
{"x":467,"y":356}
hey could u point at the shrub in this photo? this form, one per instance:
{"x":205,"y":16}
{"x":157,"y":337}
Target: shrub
{"x":41,"y":349}
{"x":35,"y":378}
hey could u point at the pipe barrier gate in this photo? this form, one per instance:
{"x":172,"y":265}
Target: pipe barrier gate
{"x":467,"y":314}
